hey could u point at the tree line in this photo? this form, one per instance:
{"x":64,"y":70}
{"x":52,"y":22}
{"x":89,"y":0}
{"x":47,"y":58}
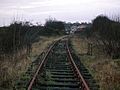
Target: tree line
{"x":106,"y":32}
{"x":20,"y":35}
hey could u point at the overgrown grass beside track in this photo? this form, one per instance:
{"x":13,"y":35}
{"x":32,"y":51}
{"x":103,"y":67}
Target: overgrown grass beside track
{"x":42,"y":44}
{"x":11,"y":70}
{"x":105,"y":70}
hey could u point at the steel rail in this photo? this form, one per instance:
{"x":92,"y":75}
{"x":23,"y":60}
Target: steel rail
{"x":79,"y":75}
{"x":40,"y":66}
{"x":83,"y":83}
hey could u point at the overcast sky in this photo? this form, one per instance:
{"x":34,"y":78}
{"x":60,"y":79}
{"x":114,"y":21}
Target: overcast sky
{"x":65,"y":10}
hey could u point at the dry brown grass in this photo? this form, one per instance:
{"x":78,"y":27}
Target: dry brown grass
{"x":10,"y":69}
{"x":105,"y":70}
{"x":41,"y":45}
{"x":108,"y":75}
{"x":81,"y":45}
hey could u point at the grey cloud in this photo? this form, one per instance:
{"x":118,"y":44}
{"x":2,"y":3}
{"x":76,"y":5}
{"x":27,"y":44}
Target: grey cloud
{"x":70,"y":10}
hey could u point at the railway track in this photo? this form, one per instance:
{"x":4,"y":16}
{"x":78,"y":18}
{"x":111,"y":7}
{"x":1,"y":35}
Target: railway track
{"x":57,"y":71}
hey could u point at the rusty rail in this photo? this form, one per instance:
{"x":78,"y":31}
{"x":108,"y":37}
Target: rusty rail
{"x":40,"y":67}
{"x":84,"y":85}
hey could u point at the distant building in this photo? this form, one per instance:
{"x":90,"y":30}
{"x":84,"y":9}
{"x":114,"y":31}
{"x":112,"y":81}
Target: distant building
{"x":81,"y":28}
{"x":73,"y":29}
{"x":76,"y":27}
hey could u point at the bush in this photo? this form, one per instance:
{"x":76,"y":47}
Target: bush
{"x":108,"y":33}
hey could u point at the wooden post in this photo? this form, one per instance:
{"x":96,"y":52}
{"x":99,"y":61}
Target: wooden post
{"x":89,"y":52}
{"x":91,"y":49}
